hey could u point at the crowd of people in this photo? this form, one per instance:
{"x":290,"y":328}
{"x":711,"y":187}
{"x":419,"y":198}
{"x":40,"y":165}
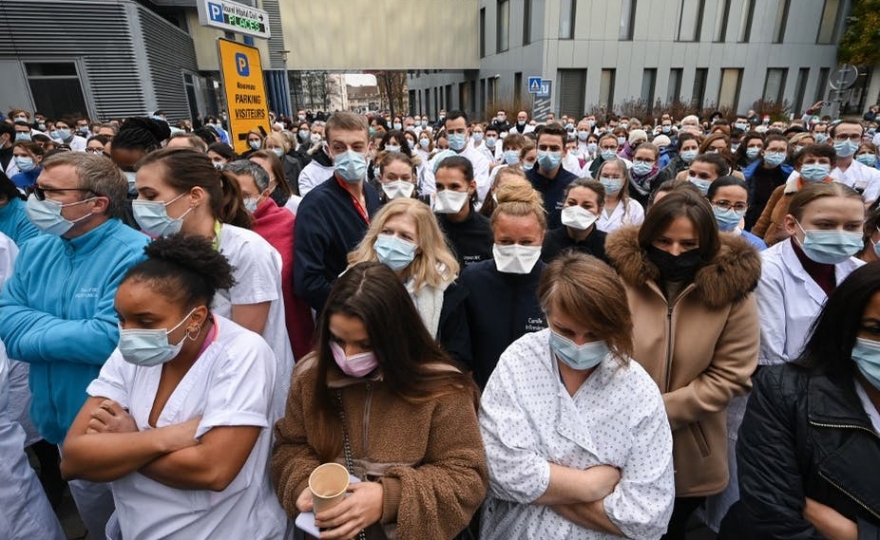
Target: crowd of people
{"x":575,"y":328}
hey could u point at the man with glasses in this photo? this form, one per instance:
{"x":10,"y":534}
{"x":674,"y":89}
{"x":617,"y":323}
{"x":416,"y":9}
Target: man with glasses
{"x":57,"y":307}
{"x":847,"y":137}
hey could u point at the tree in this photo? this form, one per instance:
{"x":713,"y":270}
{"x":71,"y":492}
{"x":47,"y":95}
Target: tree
{"x":392,"y":89}
{"x":859,"y":43}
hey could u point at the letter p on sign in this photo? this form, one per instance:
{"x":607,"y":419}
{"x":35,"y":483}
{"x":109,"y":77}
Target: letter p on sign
{"x":215,"y":12}
{"x":241,"y":65}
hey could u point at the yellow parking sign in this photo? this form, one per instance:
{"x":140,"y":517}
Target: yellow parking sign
{"x":242,"y":74}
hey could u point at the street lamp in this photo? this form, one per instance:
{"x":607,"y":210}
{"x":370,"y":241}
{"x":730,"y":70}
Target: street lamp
{"x":286,"y":83}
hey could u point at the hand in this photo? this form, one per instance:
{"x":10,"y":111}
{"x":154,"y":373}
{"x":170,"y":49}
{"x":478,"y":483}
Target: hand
{"x":180,"y":436}
{"x":359,"y":510}
{"x":110,"y":417}
{"x":304,"y":501}
{"x":817,"y":105}
{"x":830,"y":524}
{"x":602,"y":479}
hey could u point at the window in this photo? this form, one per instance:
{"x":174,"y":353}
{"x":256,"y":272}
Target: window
{"x":627,"y":19}
{"x":503,"y":26}
{"x":721,"y":21}
{"x":649,"y":81}
{"x":800,"y":90}
{"x":572,"y":90}
{"x":781,"y":21}
{"x":774,"y":84}
{"x":482,"y":32}
{"x":690,"y":19}
{"x":673,"y":89}
{"x":606,"y":89}
{"x":745,"y":25}
{"x":698,"y":96}
{"x":517,"y":85}
{"x":828,"y":25}
{"x":527,"y":22}
{"x":567,"y":13}
{"x":447,"y":103}
{"x":728,"y":94}
{"x":822,"y":84}
{"x":483,"y":96}
{"x":56,"y":88}
{"x":493,"y":93}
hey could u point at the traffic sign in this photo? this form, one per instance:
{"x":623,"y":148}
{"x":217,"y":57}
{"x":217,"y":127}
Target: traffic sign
{"x":544,"y":91}
{"x":534,"y":85}
{"x":234,"y":17}
{"x":242,"y":75}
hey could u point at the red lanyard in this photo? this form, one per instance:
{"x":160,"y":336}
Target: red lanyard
{"x":357,"y":204}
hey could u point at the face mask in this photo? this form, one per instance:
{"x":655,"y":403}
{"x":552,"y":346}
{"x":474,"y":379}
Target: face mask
{"x":578,"y":218}
{"x":46,"y":215}
{"x":579,"y":357}
{"x":372,"y":131}
{"x":511,"y":157}
{"x":84,"y":130}
{"x":734,"y":147}
{"x":424,"y":123}
{"x":395,"y":253}
{"x":753,"y":153}
{"x":592,"y":123}
{"x":490,"y":141}
{"x":144,"y":347}
{"x":130,"y":177}
{"x":741,"y":126}
{"x":478,"y":137}
{"x":500,"y":119}
{"x":526,"y":166}
{"x":301,"y":117}
{"x":623,"y":125}
{"x":666,"y":129}
{"x":608,"y":155}
{"x":641,"y":168}
{"x":351,"y":166}
{"x":846,"y":148}
{"x":277,"y":151}
{"x":675,"y":267}
{"x":866,"y":355}
{"x":250,"y":204}
{"x":592,"y":147}
{"x":357,"y":365}
{"x":255,"y":145}
{"x":798,"y":148}
{"x":549,"y":160}
{"x":424,"y":143}
{"x":457,"y":141}
{"x":219,"y":165}
{"x":392,"y":148}
{"x":612,"y":185}
{"x":20,"y":119}
{"x":820,"y":138}
{"x":41,"y":127}
{"x":399,"y":189}
{"x":688,"y":156}
{"x":864,"y":159}
{"x":303,"y":134}
{"x":583,"y":135}
{"x":20,"y":136}
{"x":450,"y":202}
{"x":830,"y":247}
{"x":521,"y":123}
{"x":397,"y":126}
{"x":702,"y":185}
{"x":727,"y":219}
{"x":515,"y":259}
{"x":315,"y":138}
{"x":25,"y":164}
{"x":774,"y":159}
{"x":153,"y":219}
{"x":621,"y":141}
{"x":62,"y":134}
{"x":815,"y":172}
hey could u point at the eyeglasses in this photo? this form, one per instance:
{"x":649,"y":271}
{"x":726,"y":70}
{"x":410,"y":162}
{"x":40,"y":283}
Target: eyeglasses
{"x":844,"y":137}
{"x":95,"y":150}
{"x":40,"y":193}
{"x":727,"y":205}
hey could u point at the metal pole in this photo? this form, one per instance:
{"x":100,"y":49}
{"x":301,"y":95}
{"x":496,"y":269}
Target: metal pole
{"x":287,"y":85}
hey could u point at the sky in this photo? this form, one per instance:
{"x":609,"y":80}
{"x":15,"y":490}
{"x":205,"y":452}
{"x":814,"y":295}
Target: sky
{"x":360,"y":79}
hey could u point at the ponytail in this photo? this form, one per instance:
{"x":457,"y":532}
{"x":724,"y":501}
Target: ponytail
{"x":232,"y":210}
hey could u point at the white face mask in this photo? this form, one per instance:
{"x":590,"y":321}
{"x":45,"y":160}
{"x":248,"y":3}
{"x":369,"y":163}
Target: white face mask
{"x":450,"y":202}
{"x":578,"y":218}
{"x":515,"y":258}
{"x":399,"y":189}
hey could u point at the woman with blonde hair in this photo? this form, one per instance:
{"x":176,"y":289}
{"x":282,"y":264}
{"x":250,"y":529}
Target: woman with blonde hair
{"x":502,"y":302}
{"x":279,"y":145}
{"x":405,"y":236}
{"x":502,"y":175}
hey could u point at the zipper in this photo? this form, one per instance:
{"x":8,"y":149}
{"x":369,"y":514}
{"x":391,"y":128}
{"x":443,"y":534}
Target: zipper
{"x":845,"y":426}
{"x":367,"y":419}
{"x":669,"y":308}
{"x":830,"y":481}
{"x":850,"y":495}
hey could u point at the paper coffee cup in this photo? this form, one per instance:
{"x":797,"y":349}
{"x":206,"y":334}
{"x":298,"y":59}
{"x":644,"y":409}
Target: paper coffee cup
{"x":328,"y":484}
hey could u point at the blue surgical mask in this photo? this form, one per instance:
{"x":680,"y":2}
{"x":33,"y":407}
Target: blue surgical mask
{"x":153,"y":219}
{"x":727,"y":219}
{"x":612,"y":185}
{"x":774,"y":159}
{"x":815,"y":172}
{"x":666,"y":129}
{"x":608,"y":155}
{"x":865,"y":159}
{"x":491,"y":141}
{"x":741,"y":126}
{"x":251,"y":203}
{"x":579,"y":357}
{"x":392,"y":148}
{"x":147,"y":348}
{"x":820,"y":137}
{"x":846,"y":148}
{"x":832,"y":246}
{"x":397,"y":126}
{"x":592,"y":147}
{"x":25,"y":164}
{"x":866,"y":355}
{"x":549,"y":161}
{"x":478,"y":137}
{"x":511,"y":157}
{"x":394,"y":252}
{"x":688,"y":156}
{"x":351,"y":166}
{"x":457,"y":141}
{"x":702,"y":185}
{"x":527,"y":166}
{"x":621,"y":141}
{"x":304,"y":135}
{"x":753,"y":152}
{"x":46,"y":215}
{"x":583,"y":135}
{"x":642,"y":168}
{"x":424,"y":143}
{"x":22,"y":136}
{"x":62,"y":134}
{"x":255,"y":145}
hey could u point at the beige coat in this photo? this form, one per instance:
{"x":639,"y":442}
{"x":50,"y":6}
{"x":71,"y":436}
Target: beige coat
{"x":701,"y":350}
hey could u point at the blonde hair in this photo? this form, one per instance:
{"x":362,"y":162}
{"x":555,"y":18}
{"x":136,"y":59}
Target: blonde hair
{"x":434,"y":263}
{"x":517,"y":198}
{"x":279,"y":139}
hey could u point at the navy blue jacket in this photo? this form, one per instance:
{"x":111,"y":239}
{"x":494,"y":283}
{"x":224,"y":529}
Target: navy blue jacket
{"x":471,"y":240}
{"x":501,"y":308}
{"x":552,"y":190}
{"x":328,"y":226}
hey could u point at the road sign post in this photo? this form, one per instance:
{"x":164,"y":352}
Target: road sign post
{"x":242,"y":74}
{"x":234,"y":17}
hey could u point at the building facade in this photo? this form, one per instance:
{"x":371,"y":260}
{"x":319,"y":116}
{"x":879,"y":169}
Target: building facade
{"x":602,"y":55}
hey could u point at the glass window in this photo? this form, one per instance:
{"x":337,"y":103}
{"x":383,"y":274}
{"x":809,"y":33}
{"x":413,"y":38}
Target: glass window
{"x":649,"y":81}
{"x":745,"y":25}
{"x":690,"y":19}
{"x":721,"y":21}
{"x":527,"y":22}
{"x":698,"y":96}
{"x":828,"y":25}
{"x":781,"y":21}
{"x":673,"y":89}
{"x":728,"y":94}
{"x":774,"y":84}
{"x":567,"y":14}
{"x":503,"y":26}
{"x":606,"y":89}
{"x":627,"y":19}
{"x":482,"y":32}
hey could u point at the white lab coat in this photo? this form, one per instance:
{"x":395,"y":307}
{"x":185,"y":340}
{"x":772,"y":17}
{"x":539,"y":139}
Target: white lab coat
{"x":313,"y":175}
{"x":481,"y":173}
{"x":231,"y":384}
{"x":788,"y":302}
{"x":610,"y":222}
{"x":529,"y":420}
{"x":25,"y":513}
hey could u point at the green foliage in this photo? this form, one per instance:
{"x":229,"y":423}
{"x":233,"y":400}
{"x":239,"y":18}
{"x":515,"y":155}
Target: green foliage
{"x":859,"y":45}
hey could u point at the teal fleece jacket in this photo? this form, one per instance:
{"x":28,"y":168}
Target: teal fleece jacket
{"x":58,"y":315}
